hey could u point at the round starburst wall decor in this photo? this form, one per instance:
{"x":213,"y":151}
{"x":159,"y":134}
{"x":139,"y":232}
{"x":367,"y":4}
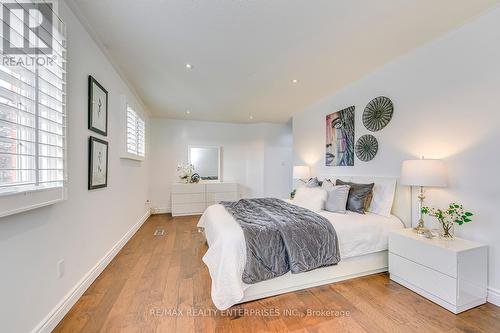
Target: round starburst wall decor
{"x":378,"y":113}
{"x":366,"y":147}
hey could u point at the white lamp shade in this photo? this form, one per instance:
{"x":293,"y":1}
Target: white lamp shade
{"x":301,"y":172}
{"x":429,"y":173}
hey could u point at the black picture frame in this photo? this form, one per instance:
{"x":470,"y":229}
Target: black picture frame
{"x":91,"y":83}
{"x":91,"y":185}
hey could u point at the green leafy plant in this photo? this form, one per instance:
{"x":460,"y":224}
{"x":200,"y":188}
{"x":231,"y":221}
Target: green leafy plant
{"x":455,"y":213}
{"x":292,"y":194}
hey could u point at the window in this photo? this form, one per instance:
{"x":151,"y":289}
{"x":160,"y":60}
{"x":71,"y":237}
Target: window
{"x":135,"y":134}
{"x":32,"y":117}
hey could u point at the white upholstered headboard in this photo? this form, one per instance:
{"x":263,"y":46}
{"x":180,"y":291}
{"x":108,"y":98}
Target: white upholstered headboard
{"x":402,"y":198}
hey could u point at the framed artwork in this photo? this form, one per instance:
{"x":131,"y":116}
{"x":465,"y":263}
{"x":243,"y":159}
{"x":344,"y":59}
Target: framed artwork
{"x":98,"y":163}
{"x":98,"y":107}
{"x":340,"y":138}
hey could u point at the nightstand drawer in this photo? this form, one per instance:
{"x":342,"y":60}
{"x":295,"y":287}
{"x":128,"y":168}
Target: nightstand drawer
{"x":433,"y":282}
{"x":422,"y":251}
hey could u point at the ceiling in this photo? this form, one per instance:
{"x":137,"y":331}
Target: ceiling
{"x":245,"y":53}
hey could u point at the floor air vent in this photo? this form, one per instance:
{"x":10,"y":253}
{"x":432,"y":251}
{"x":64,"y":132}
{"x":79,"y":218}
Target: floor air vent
{"x":159,"y":232}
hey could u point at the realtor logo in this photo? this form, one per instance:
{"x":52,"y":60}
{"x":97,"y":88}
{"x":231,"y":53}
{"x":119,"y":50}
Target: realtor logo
{"x":27,"y":28}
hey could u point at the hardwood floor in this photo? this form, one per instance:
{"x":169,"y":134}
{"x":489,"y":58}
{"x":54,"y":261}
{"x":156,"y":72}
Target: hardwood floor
{"x":159,"y":284}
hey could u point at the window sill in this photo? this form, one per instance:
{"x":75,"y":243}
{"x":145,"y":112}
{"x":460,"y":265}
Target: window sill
{"x":25,"y":201}
{"x":132,"y":157}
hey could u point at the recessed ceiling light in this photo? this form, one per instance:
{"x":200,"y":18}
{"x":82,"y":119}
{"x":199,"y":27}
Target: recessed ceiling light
{"x":295,"y":81}
{"x":188,"y":111}
{"x":189,"y":66}
{"x":251,"y":117}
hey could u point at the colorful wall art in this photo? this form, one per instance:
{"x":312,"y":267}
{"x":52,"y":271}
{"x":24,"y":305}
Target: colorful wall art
{"x":340,"y":138}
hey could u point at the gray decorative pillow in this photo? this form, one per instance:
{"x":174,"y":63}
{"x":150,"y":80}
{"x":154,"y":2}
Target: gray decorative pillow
{"x":336,"y":200}
{"x":313,"y":182}
{"x":359,"y":196}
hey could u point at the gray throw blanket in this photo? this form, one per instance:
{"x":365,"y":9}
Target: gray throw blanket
{"x":281,"y":237}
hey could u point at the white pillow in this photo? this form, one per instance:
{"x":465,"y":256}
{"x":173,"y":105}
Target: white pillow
{"x":383,"y":197}
{"x":312,"y":198}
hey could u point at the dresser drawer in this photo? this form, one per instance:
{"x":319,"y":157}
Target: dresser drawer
{"x":433,"y":282}
{"x":188,"y":188}
{"x":222,"y":187}
{"x":222,"y":196}
{"x":180,"y":198}
{"x":423,"y":252}
{"x":188,"y":209}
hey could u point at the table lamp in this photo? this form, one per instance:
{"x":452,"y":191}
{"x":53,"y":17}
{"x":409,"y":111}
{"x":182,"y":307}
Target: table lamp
{"x":423,"y":173}
{"x":301,"y":172}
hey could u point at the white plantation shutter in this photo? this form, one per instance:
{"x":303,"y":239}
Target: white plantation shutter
{"x":141,"y":137}
{"x":136,"y":132}
{"x":32,"y":117}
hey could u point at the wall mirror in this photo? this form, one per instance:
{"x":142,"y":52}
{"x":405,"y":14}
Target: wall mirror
{"x":206,"y":162}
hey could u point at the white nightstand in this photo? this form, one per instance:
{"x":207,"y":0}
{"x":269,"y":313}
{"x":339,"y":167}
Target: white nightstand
{"x":452,"y":273}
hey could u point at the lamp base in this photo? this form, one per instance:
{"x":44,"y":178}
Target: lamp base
{"x":420,"y":228}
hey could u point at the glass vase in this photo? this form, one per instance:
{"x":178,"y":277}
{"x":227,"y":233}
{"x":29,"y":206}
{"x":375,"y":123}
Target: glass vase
{"x":447,"y":230}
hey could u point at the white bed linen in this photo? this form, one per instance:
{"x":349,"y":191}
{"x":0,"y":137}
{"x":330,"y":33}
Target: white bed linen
{"x":226,"y":256}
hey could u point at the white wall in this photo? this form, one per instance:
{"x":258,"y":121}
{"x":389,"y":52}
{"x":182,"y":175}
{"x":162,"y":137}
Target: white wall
{"x":84,"y":228}
{"x":447,"y":105}
{"x":245,"y":155}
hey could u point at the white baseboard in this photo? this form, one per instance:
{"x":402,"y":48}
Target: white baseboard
{"x":161,"y":210}
{"x":494,"y":296}
{"x":60,"y":310}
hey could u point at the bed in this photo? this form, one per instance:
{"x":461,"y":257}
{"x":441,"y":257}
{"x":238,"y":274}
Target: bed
{"x":363,"y":243}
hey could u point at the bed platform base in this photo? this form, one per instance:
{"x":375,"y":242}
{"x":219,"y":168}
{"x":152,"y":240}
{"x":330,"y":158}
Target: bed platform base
{"x":349,"y":268}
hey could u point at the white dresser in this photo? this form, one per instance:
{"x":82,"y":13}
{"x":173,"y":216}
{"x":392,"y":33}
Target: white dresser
{"x":193,"y":199}
{"x":452,"y":273}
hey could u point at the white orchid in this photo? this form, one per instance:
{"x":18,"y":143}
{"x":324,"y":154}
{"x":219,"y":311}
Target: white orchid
{"x":184,"y":171}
